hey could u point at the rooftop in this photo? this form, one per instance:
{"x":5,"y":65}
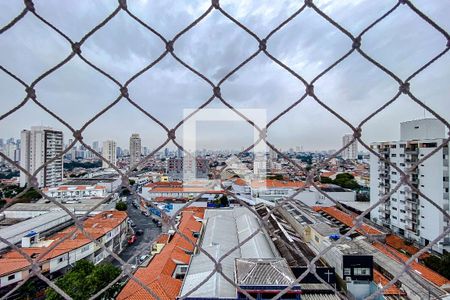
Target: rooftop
{"x":263,"y":271}
{"x":74,"y":188}
{"x":224,"y":229}
{"x":13,"y":232}
{"x":420,"y":269}
{"x":157,"y":275}
{"x":348,"y":220}
{"x":96,"y":226}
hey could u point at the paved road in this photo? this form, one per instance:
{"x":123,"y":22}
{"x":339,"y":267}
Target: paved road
{"x":151,"y":231}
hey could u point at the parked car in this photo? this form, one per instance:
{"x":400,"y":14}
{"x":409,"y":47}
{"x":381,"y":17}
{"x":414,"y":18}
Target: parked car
{"x":139,"y":232}
{"x":159,"y":224}
{"x":145,"y":213}
{"x":132,"y":239}
{"x":131,"y":223}
{"x":143,"y":258}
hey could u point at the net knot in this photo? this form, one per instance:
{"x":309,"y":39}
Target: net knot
{"x":357,"y":133}
{"x":169,"y":46}
{"x":356,"y":42}
{"x":216,"y":91}
{"x":76,"y":48}
{"x":123,"y":4}
{"x":171,"y":134}
{"x":30,"y":92}
{"x":404,"y":88}
{"x":77,"y":134}
{"x":29,"y":5}
{"x":124,"y":91}
{"x":309,"y":3}
{"x":262,"y":45}
{"x":310,"y":90}
{"x":215,"y":4}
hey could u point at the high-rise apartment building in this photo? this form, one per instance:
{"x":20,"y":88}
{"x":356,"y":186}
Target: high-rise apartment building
{"x":109,"y":153}
{"x":38,"y":146}
{"x":351,"y":152}
{"x":406,"y":212}
{"x":135,"y":149}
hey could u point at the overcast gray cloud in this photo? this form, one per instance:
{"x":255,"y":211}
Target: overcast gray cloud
{"x":308,"y":44}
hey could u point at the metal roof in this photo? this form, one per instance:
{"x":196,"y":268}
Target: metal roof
{"x":263,"y":271}
{"x":224,"y":229}
{"x":44,"y":222}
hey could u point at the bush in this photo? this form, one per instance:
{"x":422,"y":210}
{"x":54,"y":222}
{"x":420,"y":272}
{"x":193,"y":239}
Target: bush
{"x":121,"y":205}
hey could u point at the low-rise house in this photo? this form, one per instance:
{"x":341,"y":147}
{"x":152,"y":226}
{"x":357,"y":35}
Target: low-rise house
{"x":109,"y":229}
{"x":171,"y":257}
{"x":177,"y":190}
{"x":75,"y":192}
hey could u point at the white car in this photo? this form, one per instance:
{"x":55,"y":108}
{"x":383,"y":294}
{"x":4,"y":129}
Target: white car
{"x":143,"y":258}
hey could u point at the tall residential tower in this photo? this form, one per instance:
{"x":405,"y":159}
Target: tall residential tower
{"x":109,"y":153}
{"x":406,"y":212}
{"x":135,"y":149}
{"x":38,"y":146}
{"x":351,"y":152}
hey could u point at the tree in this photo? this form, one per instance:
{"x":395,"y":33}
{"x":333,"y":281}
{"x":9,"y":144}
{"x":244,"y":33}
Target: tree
{"x":440,"y":265}
{"x":347,"y":181}
{"x":224,"y":201}
{"x":326,"y":180}
{"x":131,"y":181}
{"x":121,"y":205}
{"x":84,"y":280}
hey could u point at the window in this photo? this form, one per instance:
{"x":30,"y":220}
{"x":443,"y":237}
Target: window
{"x":85,"y":248}
{"x":394,"y":208}
{"x":361,"y":271}
{"x":60,"y":260}
{"x":347,"y":271}
{"x":394,"y":217}
{"x":316,"y":238}
{"x":12,"y":277}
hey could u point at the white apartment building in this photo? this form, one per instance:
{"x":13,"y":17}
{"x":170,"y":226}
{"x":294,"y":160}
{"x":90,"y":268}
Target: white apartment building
{"x":38,"y":146}
{"x":406,"y":212}
{"x":75,"y":192}
{"x":109,"y":153}
{"x":351,"y":152}
{"x":135,"y":149}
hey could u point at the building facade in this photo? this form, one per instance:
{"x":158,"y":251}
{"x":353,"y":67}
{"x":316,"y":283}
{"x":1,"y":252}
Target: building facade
{"x":351,"y":152}
{"x":110,"y":229}
{"x":187,"y":169}
{"x":38,"y":146}
{"x":109,"y":153}
{"x":406,"y":212}
{"x":135,"y":149}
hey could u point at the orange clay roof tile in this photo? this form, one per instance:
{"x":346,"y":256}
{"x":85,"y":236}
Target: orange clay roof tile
{"x":425,"y":272}
{"x":158,"y":274}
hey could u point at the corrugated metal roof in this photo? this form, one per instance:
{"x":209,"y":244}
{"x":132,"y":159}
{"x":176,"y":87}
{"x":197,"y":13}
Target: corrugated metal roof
{"x":268,"y":271}
{"x":224,"y":229}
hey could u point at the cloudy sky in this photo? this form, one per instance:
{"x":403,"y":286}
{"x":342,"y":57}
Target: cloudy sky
{"x":308,"y":44}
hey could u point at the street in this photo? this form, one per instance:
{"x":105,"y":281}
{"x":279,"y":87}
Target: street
{"x":151,"y":231}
